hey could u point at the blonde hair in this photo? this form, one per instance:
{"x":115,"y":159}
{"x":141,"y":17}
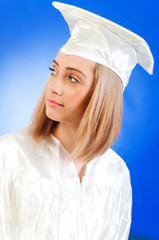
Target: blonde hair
{"x":100,"y":124}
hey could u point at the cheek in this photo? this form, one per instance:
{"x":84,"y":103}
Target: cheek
{"x":46,"y":88}
{"x":79,"y":99}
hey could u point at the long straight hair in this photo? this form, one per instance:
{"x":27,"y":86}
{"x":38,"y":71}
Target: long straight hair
{"x":100,"y":124}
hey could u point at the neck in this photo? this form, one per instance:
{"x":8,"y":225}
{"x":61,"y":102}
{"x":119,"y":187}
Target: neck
{"x":66,"y":135}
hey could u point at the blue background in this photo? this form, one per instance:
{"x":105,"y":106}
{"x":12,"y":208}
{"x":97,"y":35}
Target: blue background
{"x":31,"y":33}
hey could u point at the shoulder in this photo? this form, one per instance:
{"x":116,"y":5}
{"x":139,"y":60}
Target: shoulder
{"x":110,"y":168}
{"x":21,"y":153}
{"x":13,"y":146}
{"x":114,"y":160}
{"x":10,"y":140}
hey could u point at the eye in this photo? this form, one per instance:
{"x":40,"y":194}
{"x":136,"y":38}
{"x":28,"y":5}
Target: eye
{"x":53,"y":72}
{"x":73,"y":80}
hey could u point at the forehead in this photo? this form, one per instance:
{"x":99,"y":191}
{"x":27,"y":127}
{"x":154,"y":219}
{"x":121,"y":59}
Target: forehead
{"x":75,"y":62}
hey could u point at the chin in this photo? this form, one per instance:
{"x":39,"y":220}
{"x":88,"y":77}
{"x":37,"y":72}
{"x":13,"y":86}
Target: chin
{"x":52,"y":116}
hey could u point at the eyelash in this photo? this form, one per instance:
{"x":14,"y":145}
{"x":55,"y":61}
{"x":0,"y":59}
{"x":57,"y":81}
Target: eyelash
{"x":76,"y":80}
{"x":52,"y":70}
{"x":70,"y":77}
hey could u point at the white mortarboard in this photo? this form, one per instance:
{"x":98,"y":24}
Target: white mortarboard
{"x":105,"y":42}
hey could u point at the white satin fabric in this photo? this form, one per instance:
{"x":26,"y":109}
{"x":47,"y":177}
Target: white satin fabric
{"x":41,"y":197}
{"x":104,"y":42}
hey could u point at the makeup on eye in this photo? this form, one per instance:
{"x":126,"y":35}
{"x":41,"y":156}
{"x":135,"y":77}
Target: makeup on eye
{"x":73,"y":79}
{"x":71,"y":68}
{"x":52,"y":71}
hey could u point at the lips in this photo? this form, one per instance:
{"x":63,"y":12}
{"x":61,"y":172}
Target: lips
{"x":53,"y":103}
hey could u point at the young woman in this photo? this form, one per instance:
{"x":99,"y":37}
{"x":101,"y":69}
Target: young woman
{"x":59,"y":179}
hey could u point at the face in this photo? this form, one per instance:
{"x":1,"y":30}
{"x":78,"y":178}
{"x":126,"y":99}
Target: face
{"x":69,"y":88}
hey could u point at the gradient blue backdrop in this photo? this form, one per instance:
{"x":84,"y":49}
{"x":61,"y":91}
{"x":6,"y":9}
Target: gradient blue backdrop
{"x":31,"y":33}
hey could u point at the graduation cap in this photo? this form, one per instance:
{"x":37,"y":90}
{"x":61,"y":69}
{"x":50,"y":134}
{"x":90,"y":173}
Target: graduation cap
{"x":104,"y":42}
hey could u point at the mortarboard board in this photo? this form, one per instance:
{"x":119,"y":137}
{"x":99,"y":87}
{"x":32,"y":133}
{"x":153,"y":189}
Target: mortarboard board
{"x":104,"y":42}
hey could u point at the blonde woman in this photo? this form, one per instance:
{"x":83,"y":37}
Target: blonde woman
{"x":59,"y":178}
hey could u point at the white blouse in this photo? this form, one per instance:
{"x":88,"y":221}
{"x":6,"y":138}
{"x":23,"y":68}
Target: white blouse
{"x":41,"y":197}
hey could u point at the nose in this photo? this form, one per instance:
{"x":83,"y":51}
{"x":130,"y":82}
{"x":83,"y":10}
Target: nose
{"x":57,"y":87}
{"x":57,"y":91}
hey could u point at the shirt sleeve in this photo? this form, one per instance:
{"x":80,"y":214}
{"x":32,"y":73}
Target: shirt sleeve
{"x":5,"y":216}
{"x":124,"y":212}
{"x":119,"y":227}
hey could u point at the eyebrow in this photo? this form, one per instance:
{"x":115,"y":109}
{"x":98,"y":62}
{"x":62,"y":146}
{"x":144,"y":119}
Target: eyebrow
{"x":71,"y":68}
{"x":55,"y":62}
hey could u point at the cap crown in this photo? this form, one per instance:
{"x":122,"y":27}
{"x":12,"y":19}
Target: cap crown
{"x":102,"y":41}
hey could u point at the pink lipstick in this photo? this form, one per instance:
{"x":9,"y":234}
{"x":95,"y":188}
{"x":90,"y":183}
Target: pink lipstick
{"x":54,"y":103}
